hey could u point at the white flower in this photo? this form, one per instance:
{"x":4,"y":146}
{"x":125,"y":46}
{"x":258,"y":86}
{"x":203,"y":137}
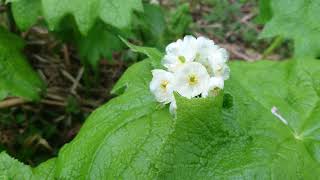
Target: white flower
{"x":179,"y":53}
{"x":215,"y":84}
{"x":196,"y":67}
{"x":218,"y":67}
{"x":204,"y":47}
{"x":221,"y":70}
{"x":191,"y":80}
{"x":219,"y":55}
{"x":161,"y":86}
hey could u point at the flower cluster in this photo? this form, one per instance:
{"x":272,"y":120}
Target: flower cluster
{"x":196,"y":67}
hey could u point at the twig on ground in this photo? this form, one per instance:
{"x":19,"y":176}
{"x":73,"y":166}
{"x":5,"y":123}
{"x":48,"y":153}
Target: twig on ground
{"x":246,"y":20}
{"x":11,"y":102}
{"x":66,"y":55}
{"x":60,"y":118}
{"x":233,"y":50}
{"x":76,"y":83}
{"x":52,"y":102}
{"x":41,"y":59}
{"x":247,"y":17}
{"x":55,"y":97}
{"x":43,"y":77}
{"x":69,"y":76}
{"x":36,"y":42}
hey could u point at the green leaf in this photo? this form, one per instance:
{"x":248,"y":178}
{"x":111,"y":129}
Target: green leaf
{"x":45,"y":170}
{"x":100,"y":42}
{"x":13,"y":169}
{"x":97,"y":23}
{"x":116,"y":13}
{"x":26,"y":12}
{"x":17,"y":78}
{"x":265,"y":12}
{"x":130,"y":81}
{"x":133,"y":137}
{"x":277,"y":151}
{"x":297,"y":20}
{"x":180,"y":20}
{"x":150,"y":26}
{"x":113,"y":12}
{"x":154,"y":54}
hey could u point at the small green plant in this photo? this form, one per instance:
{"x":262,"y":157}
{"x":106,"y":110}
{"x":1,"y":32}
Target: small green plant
{"x":295,"y":20}
{"x":23,"y":82}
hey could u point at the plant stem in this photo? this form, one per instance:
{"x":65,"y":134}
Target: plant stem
{"x":275,"y":44}
{"x":11,"y":102}
{"x":11,"y":23}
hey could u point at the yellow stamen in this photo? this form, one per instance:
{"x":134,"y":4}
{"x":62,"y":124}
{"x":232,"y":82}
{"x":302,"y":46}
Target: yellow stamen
{"x":193,"y":79}
{"x":215,"y":91}
{"x":164,"y":84}
{"x":198,"y":56}
{"x":182,"y":59}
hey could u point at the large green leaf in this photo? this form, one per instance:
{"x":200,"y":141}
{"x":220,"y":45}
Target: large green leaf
{"x":265,"y":12}
{"x":97,"y":23}
{"x":116,"y":13}
{"x":17,"y":78}
{"x":133,"y":137}
{"x":151,"y":26}
{"x":276,"y":150}
{"x":100,"y":42}
{"x":12,"y":169}
{"x":297,"y":20}
{"x":26,"y":12}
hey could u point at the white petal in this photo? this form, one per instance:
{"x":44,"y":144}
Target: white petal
{"x":214,"y":83}
{"x":185,"y":49}
{"x":171,"y":62}
{"x":163,"y":95}
{"x":189,"y":39}
{"x":226,"y":72}
{"x":173,"y":107}
{"x":219,"y":55}
{"x":203,"y":42}
{"x":204,"y":48}
{"x":173,"y":48}
{"x":158,"y":72}
{"x":182,"y":76}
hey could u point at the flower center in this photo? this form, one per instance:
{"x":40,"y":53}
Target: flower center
{"x":215,"y":91}
{"x":218,"y":70}
{"x":182,"y":59}
{"x":193,"y":79}
{"x":164,"y":84}
{"x":198,"y":56}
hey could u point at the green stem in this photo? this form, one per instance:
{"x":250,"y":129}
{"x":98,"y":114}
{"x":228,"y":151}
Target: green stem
{"x":11,"y":22}
{"x":275,"y":44}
